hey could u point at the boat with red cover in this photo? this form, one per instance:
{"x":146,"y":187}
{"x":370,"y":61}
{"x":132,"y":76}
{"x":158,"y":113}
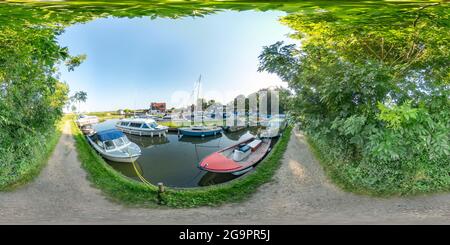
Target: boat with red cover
{"x":237,"y":158}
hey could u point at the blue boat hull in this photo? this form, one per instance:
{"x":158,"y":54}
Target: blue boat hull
{"x":200,"y":133}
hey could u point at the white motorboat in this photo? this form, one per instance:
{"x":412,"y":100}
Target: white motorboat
{"x":114,"y":145}
{"x":86,"y":120}
{"x":141,"y":127}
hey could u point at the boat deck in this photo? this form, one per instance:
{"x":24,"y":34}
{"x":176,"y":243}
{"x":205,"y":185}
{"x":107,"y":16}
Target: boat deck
{"x":222,"y":161}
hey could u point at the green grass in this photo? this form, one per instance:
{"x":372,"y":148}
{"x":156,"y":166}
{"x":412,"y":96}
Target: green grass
{"x":419,"y":175}
{"x":130,"y":192}
{"x":27,"y":165}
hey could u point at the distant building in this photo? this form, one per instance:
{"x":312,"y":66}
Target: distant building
{"x":158,"y":107}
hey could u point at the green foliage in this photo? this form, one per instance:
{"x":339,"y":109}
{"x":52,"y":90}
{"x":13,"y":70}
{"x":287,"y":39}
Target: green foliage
{"x":74,"y":62}
{"x":410,"y":133}
{"x":397,"y":116}
{"x":24,"y":163}
{"x":31,"y":98}
{"x":372,"y":95}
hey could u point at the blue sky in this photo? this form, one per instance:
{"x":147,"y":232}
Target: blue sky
{"x":132,"y":62}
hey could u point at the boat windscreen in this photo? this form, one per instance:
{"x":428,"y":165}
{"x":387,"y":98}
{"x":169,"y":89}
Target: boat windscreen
{"x":125,"y":140}
{"x":119,"y":142}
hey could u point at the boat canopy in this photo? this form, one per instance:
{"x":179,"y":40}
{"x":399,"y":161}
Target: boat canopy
{"x":110,"y":134}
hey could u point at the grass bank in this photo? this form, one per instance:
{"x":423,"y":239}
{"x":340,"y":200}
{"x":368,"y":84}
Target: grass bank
{"x":131,"y":192}
{"x":22,"y":165}
{"x":102,"y":116}
{"x":416,"y":176}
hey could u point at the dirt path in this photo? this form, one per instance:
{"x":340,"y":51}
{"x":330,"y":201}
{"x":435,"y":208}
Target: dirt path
{"x":299,"y":194}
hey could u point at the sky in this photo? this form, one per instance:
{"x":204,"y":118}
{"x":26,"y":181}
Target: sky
{"x":133,"y":62}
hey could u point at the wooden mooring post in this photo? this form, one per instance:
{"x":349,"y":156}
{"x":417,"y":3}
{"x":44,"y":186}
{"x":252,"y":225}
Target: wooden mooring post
{"x":160,"y":191}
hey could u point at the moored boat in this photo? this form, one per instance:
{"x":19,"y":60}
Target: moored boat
{"x":274,"y":128}
{"x":233,"y":129}
{"x":87,"y":129}
{"x":237,"y":159}
{"x":141,"y":127}
{"x":113,"y":145}
{"x":200,"y":131}
{"x":270,"y":132}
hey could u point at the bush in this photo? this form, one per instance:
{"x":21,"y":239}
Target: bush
{"x":23,"y":161}
{"x":378,"y":116}
{"x":31,"y":98}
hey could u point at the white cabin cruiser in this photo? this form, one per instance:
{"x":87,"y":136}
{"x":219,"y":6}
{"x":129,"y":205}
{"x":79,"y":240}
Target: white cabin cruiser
{"x":85,"y":120}
{"x":113,"y":145}
{"x":141,"y":127}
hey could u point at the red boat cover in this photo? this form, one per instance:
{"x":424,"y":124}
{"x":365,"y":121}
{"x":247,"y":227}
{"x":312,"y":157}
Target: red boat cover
{"x":219,"y":163}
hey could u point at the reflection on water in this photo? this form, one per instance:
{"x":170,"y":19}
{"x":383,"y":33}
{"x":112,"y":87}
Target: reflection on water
{"x":173,"y":160}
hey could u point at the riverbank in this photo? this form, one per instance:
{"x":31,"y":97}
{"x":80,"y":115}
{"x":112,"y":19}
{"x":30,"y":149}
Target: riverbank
{"x":416,"y":176}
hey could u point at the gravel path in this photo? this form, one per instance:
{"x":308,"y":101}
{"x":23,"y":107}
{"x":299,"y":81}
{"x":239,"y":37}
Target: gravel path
{"x":299,"y":194}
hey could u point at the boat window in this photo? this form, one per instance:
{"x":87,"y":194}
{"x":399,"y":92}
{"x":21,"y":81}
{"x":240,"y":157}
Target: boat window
{"x":119,"y":142}
{"x":135,"y":125}
{"x":124,"y":123}
{"x":109,"y":145}
{"x":153,"y":125}
{"x":144,"y":125}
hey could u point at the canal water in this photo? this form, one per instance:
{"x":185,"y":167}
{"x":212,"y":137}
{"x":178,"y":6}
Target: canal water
{"x":173,"y":160}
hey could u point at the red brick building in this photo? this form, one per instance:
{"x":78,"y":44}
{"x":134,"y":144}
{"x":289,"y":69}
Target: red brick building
{"x":155,"y":106}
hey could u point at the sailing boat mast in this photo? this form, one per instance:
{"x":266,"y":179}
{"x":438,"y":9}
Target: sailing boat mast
{"x":196,"y":91}
{"x":198,"y":95}
{"x":198,"y":87}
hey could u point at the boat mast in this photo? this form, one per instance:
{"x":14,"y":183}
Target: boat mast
{"x":198,"y":95}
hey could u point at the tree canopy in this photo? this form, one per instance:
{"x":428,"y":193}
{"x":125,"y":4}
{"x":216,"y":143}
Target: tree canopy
{"x":374,"y":86}
{"x":31,"y":95}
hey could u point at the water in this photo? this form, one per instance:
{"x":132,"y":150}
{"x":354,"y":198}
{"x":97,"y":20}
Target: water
{"x":173,"y":160}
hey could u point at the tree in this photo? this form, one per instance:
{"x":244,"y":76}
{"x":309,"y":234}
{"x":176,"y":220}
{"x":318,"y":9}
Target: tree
{"x":31,"y":96}
{"x":346,"y":76}
{"x":79,"y":97}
